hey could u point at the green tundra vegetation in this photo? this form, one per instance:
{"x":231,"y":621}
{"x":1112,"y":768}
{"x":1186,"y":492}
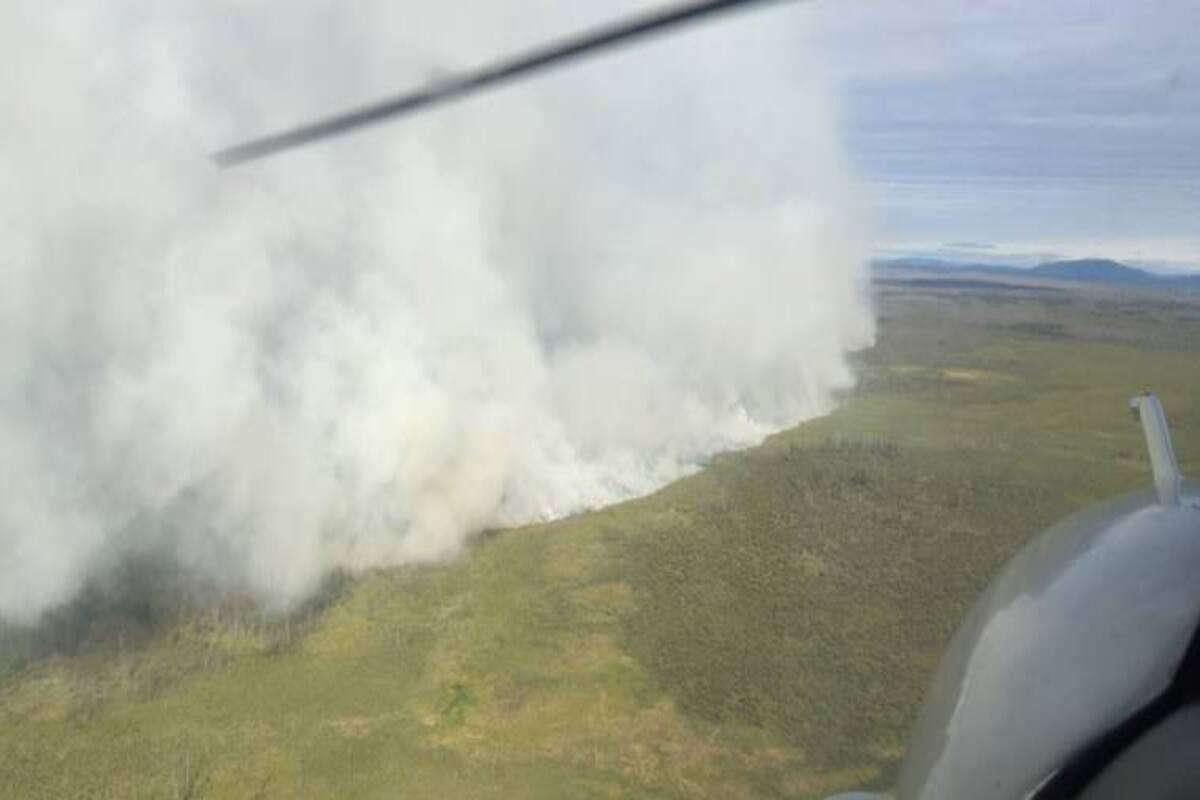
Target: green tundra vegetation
{"x":763,"y":628}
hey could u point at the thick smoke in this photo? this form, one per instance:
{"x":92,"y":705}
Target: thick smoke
{"x":547,"y":299}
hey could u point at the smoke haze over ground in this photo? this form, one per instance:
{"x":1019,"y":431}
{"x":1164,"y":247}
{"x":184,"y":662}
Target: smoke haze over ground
{"x":550,"y":298}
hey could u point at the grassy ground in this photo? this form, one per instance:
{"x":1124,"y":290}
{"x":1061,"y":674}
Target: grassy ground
{"x":764,"y":628}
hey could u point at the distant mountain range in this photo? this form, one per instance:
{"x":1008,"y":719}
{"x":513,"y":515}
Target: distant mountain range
{"x":1082,"y":270}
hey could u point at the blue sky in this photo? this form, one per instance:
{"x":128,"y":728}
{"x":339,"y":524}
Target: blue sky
{"x":1022,"y":129}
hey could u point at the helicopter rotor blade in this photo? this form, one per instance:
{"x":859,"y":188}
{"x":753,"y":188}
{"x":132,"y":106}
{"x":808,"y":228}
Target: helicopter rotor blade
{"x":467,"y":83}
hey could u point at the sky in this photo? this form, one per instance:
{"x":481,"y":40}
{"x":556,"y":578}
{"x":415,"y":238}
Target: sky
{"x":1024,"y":129}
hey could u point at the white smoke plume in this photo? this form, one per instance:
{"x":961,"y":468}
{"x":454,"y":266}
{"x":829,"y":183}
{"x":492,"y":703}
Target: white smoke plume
{"x":557,"y":296}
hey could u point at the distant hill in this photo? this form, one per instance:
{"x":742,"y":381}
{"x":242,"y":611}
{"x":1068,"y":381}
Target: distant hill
{"x":1095,"y":270}
{"x":1082,"y":270}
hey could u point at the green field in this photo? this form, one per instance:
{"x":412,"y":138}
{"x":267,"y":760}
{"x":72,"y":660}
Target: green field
{"x":764,"y":628}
